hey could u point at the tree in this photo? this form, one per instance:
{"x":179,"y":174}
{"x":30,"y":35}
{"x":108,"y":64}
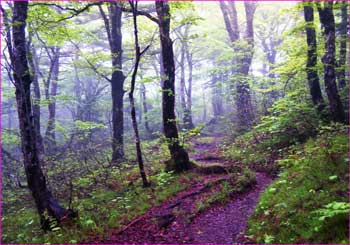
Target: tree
{"x":34,"y":70}
{"x":179,"y":157}
{"x":113,"y":26}
{"x":311,"y":69}
{"x":46,"y":204}
{"x":51,"y":86}
{"x":243,"y":60}
{"x":185,"y":93}
{"x":342,"y":50}
{"x":138,"y":54}
{"x":327,"y":21}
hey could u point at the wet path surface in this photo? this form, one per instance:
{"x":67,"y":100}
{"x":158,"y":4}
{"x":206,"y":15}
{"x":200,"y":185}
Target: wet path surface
{"x":176,"y":220}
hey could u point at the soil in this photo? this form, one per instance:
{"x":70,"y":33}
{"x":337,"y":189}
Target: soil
{"x":178,"y":219}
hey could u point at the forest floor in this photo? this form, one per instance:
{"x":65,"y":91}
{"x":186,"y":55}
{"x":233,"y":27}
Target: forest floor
{"x":187,"y":217}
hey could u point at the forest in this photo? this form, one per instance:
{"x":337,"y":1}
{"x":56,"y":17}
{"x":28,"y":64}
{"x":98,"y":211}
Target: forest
{"x":169,"y":122}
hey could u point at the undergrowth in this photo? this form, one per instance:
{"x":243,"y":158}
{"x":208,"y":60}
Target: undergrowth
{"x":308,"y":202}
{"x":105,"y":196}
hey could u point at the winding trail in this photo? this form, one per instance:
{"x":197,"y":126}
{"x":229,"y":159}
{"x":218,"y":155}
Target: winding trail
{"x":176,"y":220}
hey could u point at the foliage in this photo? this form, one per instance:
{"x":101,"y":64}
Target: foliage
{"x":290,"y":121}
{"x":307,"y":203}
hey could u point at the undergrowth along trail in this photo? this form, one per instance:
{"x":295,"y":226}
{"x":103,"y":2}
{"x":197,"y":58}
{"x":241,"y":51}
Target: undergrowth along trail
{"x":213,"y":209}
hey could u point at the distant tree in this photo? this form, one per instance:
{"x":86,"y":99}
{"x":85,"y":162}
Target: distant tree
{"x":327,"y":21}
{"x":46,"y":204}
{"x":34,"y":70}
{"x":179,"y":157}
{"x":51,"y":86}
{"x":244,"y":54}
{"x":113,"y":26}
{"x":185,"y":92}
{"x":311,"y":66}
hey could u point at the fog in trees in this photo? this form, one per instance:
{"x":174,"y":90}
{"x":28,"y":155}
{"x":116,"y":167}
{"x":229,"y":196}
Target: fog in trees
{"x":126,"y":121}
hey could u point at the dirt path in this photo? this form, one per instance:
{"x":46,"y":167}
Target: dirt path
{"x":177,"y":219}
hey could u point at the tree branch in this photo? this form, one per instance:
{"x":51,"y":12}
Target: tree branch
{"x":75,"y":11}
{"x":140,"y":12}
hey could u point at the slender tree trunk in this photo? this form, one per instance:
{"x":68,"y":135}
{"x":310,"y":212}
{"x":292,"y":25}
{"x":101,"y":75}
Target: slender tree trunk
{"x":217,"y":101}
{"x":327,"y":20}
{"x":311,"y":65}
{"x":34,"y":70}
{"x":182,"y":83}
{"x":46,"y":204}
{"x":188,"y":113}
{"x":50,"y":134}
{"x":145,"y":109}
{"x":342,"y":51}
{"x":179,"y":157}
{"x":113,"y":26}
{"x":138,"y":55}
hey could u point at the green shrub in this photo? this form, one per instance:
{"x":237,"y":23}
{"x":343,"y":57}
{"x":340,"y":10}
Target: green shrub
{"x":307,"y":203}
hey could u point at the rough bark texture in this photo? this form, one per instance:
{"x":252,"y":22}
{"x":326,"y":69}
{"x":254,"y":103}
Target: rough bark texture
{"x":113,"y":26}
{"x":327,"y":20}
{"x":342,"y":51}
{"x":179,"y":157}
{"x":311,"y":69}
{"x":45,"y":202}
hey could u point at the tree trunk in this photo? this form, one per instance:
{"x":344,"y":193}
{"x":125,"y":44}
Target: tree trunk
{"x":244,"y":106}
{"x":342,"y":50}
{"x":327,"y":20}
{"x":113,"y":26}
{"x":311,"y":65}
{"x":52,"y":84}
{"x":217,"y":95}
{"x":138,"y":54}
{"x":145,"y":109}
{"x":46,"y":204}
{"x":188,"y":113}
{"x":179,"y":158}
{"x":34,"y":70}
{"x":182,"y":83}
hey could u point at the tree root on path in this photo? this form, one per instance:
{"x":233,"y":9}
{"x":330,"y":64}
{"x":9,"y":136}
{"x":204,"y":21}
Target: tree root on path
{"x":131,"y":223}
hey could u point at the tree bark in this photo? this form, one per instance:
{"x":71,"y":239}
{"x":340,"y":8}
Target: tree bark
{"x":46,"y":204}
{"x":138,"y":55}
{"x":145,"y":109}
{"x":327,"y":20}
{"x":34,"y":70}
{"x":182,"y":82}
{"x":342,"y":51}
{"x":188,"y":112}
{"x":52,"y":85}
{"x":311,"y":65}
{"x":113,"y":26}
{"x":179,"y":157}
{"x":245,"y":115}
{"x":244,"y":106}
